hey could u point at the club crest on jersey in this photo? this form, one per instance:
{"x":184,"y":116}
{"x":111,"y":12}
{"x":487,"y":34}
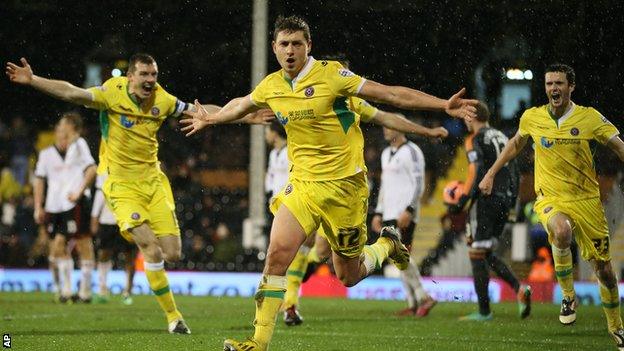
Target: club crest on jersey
{"x":280,"y":117}
{"x":288,"y":189}
{"x":546,"y":143}
{"x":309,"y":91}
{"x":135,"y":216}
{"x":574,"y":131}
{"x":126,"y":122}
{"x":155,"y":111}
{"x":345,"y":72}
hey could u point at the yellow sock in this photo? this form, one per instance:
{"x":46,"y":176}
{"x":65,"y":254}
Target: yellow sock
{"x":269,"y":298}
{"x":374,"y":255}
{"x":313,"y":256}
{"x":611,"y":305}
{"x":157,"y":278}
{"x":564,"y":270}
{"x":294,"y":276}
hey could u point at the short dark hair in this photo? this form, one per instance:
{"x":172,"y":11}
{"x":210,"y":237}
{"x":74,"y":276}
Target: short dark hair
{"x":563,"y":68}
{"x":139,"y":57}
{"x":74,"y":118}
{"x":277,"y":127}
{"x":291,"y":24}
{"x":483,"y":112}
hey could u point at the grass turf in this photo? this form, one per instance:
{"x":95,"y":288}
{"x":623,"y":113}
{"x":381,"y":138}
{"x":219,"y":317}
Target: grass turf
{"x":36,"y":323}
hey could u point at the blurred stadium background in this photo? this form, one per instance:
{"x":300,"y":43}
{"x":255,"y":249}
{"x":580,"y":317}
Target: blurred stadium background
{"x":497,"y":50}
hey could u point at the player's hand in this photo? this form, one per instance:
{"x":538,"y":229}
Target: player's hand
{"x":438,"y":132}
{"x":459,"y":107}
{"x":19,"y":74}
{"x":404,"y":220}
{"x":486,"y":184}
{"x":264,"y":116}
{"x":376,"y":224}
{"x":198,"y":119}
{"x":39,"y":215}
{"x":74,"y":197}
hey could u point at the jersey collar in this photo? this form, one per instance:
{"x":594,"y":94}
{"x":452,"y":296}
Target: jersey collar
{"x":305,"y":70}
{"x":559,"y":121}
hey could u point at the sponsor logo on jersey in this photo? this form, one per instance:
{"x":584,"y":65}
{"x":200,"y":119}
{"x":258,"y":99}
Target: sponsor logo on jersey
{"x":574,"y":131}
{"x":548,"y":209}
{"x":126,"y":122}
{"x":309,"y":91}
{"x":280,"y":117}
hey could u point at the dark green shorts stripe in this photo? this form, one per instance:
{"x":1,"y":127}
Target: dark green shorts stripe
{"x":270,"y":293}
{"x":564,"y":272}
{"x":611,"y":304}
{"x":161,"y":291}
{"x":296,"y":273}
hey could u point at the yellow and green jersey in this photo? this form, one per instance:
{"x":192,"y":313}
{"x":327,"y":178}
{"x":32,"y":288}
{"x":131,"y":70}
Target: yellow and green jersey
{"x":325,"y":141}
{"x":564,"y":166}
{"x":129,"y":146}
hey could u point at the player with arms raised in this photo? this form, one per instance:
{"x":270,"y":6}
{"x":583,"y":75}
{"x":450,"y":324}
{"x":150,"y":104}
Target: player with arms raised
{"x":327,"y":185}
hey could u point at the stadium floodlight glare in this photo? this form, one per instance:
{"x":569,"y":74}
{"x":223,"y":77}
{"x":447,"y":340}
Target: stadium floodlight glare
{"x":518,"y":74}
{"x":515,"y":74}
{"x":116,"y":72}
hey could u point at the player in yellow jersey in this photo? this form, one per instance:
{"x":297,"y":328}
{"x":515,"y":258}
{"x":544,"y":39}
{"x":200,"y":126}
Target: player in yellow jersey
{"x":132,"y":108}
{"x":315,"y":246}
{"x":327,"y":185}
{"x":568,"y":199}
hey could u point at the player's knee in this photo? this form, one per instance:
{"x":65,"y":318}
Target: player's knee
{"x":172,"y":255}
{"x":347,"y":280}
{"x":562,"y":233}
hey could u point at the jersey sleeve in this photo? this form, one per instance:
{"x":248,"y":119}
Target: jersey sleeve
{"x":342,"y":81}
{"x":603,"y":130}
{"x":363,"y":108}
{"x":40,"y":168}
{"x":523,"y":128}
{"x":259,"y":94}
{"x":173,"y":106}
{"x":102,"y":95}
{"x":98,"y":204}
{"x":475,"y":157}
{"x":85,"y":154}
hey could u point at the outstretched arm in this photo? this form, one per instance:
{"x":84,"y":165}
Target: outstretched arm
{"x":617,"y":145}
{"x":411,"y":99}
{"x":510,"y":151}
{"x":56,"y":88}
{"x":399,"y":123}
{"x":199,"y":117}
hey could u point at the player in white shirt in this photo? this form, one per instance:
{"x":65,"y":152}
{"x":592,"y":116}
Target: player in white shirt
{"x":67,"y":169}
{"x":110,"y":243}
{"x":398,"y":204}
{"x":277,"y":170}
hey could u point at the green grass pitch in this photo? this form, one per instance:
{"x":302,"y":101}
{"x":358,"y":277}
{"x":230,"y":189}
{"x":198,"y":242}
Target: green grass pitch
{"x":36,"y":323}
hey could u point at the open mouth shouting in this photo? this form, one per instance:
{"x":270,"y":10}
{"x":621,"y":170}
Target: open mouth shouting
{"x":555,"y":97}
{"x":147,"y":88}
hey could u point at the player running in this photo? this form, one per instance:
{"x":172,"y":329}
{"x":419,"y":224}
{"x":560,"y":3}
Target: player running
{"x":327,"y":185}
{"x":568,"y":198}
